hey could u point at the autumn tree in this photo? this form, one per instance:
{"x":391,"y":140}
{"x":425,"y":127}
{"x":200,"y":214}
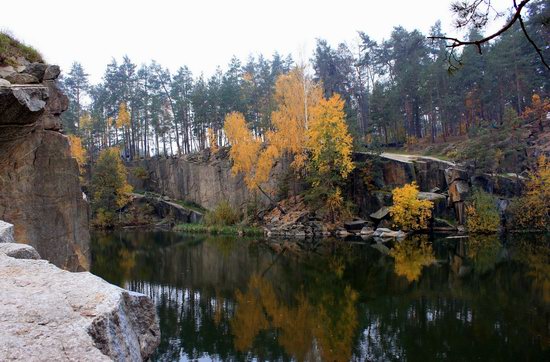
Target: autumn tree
{"x":330,"y":145}
{"x":123,"y":123}
{"x":109,"y":188}
{"x":408,"y":211}
{"x":538,"y":110}
{"x":532,"y":210}
{"x":78,"y":153}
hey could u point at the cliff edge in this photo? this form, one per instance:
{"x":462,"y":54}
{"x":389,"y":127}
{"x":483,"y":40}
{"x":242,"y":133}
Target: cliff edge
{"x":39,"y":186}
{"x":49,"y":314}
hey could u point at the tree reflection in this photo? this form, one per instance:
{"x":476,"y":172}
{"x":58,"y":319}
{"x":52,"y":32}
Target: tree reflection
{"x":483,"y":252}
{"x":306,"y":330}
{"x":411,"y":255}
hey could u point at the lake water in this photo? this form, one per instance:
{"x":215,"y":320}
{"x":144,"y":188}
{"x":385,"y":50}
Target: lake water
{"x":225,"y":298}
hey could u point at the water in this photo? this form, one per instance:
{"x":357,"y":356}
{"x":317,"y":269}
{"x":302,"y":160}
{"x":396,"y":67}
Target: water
{"x":222,"y":298}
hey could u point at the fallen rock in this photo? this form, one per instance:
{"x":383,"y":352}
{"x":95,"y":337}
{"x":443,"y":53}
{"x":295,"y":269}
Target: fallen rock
{"x":382,"y":213}
{"x":6,"y":71}
{"x":49,"y":314}
{"x":52,"y":72}
{"x":6,"y":232}
{"x":19,"y":251}
{"x":22,"y":78}
{"x":342,"y":233}
{"x":36,"y":69}
{"x":384,"y":233}
{"x":367,"y":230}
{"x":4,"y":83}
{"x":355,"y":225}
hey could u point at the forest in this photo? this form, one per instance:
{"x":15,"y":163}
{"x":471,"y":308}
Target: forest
{"x":396,"y":91}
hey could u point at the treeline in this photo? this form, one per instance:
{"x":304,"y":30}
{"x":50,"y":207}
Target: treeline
{"x":401,"y":89}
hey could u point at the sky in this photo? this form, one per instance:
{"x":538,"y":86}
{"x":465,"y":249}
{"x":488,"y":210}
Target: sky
{"x":204,"y":34}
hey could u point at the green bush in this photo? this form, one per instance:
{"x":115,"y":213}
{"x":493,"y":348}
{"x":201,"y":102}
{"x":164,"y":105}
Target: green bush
{"x":482,"y":213}
{"x":222,"y":215}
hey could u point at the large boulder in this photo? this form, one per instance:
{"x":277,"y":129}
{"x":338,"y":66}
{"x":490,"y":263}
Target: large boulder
{"x":22,"y":78}
{"x":6,"y":232}
{"x":18,"y":251}
{"x":49,"y":314}
{"x":459,"y":191}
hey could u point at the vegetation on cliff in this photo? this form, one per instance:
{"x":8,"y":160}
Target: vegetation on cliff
{"x":482,"y":213}
{"x":109,"y":187}
{"x":532,"y":210}
{"x":11,"y":49}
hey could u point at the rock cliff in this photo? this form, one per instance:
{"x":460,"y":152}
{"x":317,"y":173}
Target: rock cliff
{"x":202,"y":178}
{"x":39,"y":186}
{"x":206,"y":179}
{"x":49,"y":314}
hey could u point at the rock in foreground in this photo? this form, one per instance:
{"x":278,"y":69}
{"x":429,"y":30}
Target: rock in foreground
{"x":49,"y":314}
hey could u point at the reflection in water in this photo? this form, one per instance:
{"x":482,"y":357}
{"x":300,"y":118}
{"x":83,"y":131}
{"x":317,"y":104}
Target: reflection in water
{"x":411,"y":255}
{"x":307,"y":329}
{"x":229,"y":299}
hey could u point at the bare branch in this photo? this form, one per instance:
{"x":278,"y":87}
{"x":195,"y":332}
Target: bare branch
{"x":458,"y":43}
{"x":537,"y":49}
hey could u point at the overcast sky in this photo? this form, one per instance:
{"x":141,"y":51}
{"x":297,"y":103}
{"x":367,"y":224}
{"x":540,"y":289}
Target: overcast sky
{"x":203,"y":34}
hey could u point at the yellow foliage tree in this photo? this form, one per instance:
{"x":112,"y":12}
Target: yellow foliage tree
{"x":123,"y":119}
{"x":532,"y":210}
{"x":245,"y":147}
{"x":296,"y":96}
{"x":407,"y":211}
{"x":212,"y":140}
{"x":328,"y":138}
{"x":538,"y":110}
{"x":110,"y":190}
{"x":78,"y":152}
{"x":330,"y":146}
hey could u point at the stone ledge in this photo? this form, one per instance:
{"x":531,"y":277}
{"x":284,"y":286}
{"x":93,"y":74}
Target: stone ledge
{"x":51,"y":314}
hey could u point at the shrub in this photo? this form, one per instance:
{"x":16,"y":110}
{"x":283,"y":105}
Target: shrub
{"x":408,"y":212}
{"x":222,"y":215}
{"x":532,"y":210}
{"x":140,"y":173}
{"x":482,"y":213}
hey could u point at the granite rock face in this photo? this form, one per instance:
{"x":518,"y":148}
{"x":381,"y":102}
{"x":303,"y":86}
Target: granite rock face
{"x":6,"y":232}
{"x":49,"y":314}
{"x":40,"y":190}
{"x":203,"y":178}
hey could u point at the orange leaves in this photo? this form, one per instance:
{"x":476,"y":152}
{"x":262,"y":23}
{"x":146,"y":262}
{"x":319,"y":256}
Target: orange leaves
{"x":538,"y":110}
{"x":245,"y":147}
{"x":296,"y":95}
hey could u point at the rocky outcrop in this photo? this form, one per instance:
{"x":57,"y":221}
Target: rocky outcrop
{"x":49,"y":314}
{"x":39,"y":186}
{"x":167,"y":209}
{"x":201,"y":178}
{"x":446,"y":184}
